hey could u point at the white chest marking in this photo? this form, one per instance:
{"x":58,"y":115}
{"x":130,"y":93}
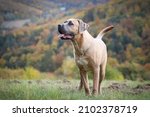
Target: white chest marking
{"x":82,"y":61}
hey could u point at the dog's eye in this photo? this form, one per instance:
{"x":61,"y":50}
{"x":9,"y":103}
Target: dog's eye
{"x":65,"y":22}
{"x":70,"y":23}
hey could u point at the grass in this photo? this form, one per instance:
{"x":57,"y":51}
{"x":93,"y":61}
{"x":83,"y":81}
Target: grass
{"x":68,"y":90}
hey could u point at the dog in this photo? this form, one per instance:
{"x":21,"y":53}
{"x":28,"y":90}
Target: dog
{"x":90,"y":53}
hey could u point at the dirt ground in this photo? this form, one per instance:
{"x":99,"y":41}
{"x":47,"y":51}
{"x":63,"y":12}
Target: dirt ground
{"x":124,"y":87}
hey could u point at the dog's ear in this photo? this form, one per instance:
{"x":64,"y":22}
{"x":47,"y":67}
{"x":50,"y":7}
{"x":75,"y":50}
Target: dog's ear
{"x":82,"y":26}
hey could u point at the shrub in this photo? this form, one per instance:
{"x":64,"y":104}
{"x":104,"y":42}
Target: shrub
{"x":6,"y":73}
{"x":146,"y":72}
{"x":68,"y":68}
{"x":131,"y":70}
{"x":28,"y":73}
{"x":113,"y":73}
{"x":31,"y":73}
{"x":146,"y":75}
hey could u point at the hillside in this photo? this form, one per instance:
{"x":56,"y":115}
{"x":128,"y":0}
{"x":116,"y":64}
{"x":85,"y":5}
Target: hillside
{"x":37,"y":10}
{"x":37,"y":45}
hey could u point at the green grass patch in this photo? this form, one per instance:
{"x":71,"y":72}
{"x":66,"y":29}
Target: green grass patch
{"x":68,"y":90}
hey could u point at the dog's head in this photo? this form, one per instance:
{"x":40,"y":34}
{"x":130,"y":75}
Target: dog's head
{"x":70,"y":28}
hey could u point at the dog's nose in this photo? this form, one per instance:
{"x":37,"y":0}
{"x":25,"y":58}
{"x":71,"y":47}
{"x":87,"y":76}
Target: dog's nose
{"x":59,"y":26}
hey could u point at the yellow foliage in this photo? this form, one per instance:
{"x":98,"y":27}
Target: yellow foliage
{"x":31,"y":73}
{"x":113,"y":74}
{"x":6,"y":73}
{"x":129,"y":52}
{"x":68,"y":68}
{"x":2,"y":62}
{"x":28,"y":73}
{"x":113,"y":62}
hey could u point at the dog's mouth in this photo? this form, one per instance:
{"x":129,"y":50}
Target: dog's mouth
{"x":63,"y":34}
{"x":66,"y":36}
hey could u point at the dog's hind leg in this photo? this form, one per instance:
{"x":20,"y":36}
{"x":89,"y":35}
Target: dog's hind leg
{"x":102,"y":76}
{"x":96,"y":80}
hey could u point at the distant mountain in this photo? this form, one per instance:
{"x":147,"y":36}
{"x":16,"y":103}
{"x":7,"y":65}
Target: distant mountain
{"x":37,"y":10}
{"x":69,"y":4}
{"x":23,"y":9}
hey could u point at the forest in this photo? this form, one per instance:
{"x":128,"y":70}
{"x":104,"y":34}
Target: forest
{"x":35,"y":49}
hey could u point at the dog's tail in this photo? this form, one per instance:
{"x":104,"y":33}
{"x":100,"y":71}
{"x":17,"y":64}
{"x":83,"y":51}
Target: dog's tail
{"x":101,"y":34}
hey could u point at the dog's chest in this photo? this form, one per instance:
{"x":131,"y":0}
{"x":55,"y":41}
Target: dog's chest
{"x":82,"y":61}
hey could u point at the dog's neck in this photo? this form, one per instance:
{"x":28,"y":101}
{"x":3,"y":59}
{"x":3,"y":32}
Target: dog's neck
{"x":81,"y":43}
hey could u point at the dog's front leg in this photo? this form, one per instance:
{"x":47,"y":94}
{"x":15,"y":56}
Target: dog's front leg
{"x":84,"y":81}
{"x":81,"y":84}
{"x":96,"y":80}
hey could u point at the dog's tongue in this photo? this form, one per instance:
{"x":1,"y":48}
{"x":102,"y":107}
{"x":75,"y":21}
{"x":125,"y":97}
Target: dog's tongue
{"x":65,"y":36}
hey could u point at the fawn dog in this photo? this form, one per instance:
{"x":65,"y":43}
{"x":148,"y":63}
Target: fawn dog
{"x":90,"y":53}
